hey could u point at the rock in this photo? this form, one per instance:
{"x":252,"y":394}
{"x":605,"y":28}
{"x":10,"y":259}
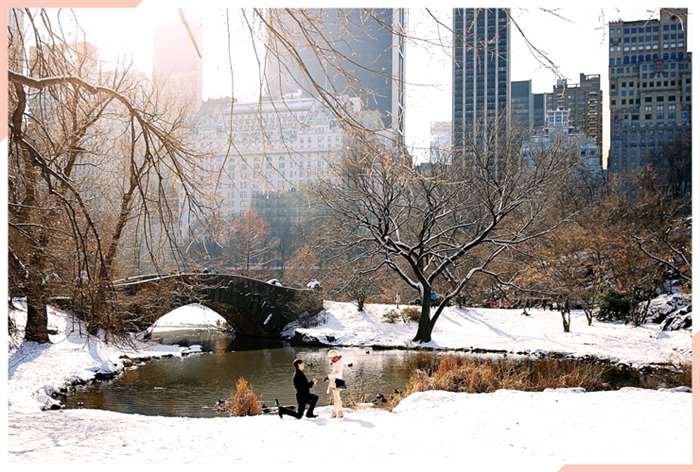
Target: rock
{"x":678,"y":320}
{"x":682,"y":389}
{"x":672,"y":311}
{"x":105,"y":375}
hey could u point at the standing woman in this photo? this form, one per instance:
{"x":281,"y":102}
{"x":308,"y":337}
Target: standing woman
{"x":336,"y":383}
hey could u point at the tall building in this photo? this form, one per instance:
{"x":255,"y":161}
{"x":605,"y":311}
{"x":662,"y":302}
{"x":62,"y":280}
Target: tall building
{"x":584,"y":101}
{"x":539,"y":110}
{"x":440,"y":141}
{"x":177,"y":61}
{"x":480,"y":74}
{"x":363,"y":56}
{"x":650,"y":90}
{"x":522,"y":105}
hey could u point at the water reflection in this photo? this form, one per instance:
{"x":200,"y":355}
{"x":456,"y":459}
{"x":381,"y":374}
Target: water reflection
{"x":192,"y":386}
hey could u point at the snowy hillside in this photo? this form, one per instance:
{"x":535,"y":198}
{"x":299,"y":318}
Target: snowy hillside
{"x":501,"y":329}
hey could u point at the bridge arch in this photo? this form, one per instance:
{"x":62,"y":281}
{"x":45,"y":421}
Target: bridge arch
{"x":250,"y":306}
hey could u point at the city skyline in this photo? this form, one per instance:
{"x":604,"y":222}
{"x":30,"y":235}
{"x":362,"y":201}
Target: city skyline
{"x":428,"y":65}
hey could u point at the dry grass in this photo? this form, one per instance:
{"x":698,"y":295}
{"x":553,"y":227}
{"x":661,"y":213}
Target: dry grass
{"x":411,"y":313}
{"x":470,"y":375}
{"x":243,"y":401}
{"x":686,"y":374}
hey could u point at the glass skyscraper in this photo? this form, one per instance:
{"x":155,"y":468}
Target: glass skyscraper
{"x":480,"y":75}
{"x":364,"y":56}
{"x":522,"y":104}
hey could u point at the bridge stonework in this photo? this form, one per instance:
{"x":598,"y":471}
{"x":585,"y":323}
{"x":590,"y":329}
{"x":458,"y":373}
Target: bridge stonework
{"x":252,"y":307}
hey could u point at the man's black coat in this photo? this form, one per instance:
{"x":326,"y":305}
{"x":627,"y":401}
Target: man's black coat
{"x":303,"y":386}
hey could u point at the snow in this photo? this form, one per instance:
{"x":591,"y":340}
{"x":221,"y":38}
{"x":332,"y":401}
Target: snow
{"x":672,"y":311}
{"x":535,"y":430}
{"x":502,"y":329}
{"x":192,"y":316}
{"x":538,"y":431}
{"x":35,"y":370}
{"x":313,"y":283}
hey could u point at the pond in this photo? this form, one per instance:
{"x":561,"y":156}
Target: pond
{"x":191,"y":386}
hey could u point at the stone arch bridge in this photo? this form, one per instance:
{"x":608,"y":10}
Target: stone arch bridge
{"x":252,"y":307}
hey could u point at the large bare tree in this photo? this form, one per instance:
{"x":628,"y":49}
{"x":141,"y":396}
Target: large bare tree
{"x":449,"y":223}
{"x":93,"y":158}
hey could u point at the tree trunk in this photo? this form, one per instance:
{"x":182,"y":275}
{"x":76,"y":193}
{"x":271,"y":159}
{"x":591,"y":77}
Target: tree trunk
{"x":565,"y":316}
{"x":424,"y":325}
{"x":37,"y":320}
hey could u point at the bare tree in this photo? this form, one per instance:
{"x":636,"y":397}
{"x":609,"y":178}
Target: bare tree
{"x":250,"y":244}
{"x":69,"y":130}
{"x":449,"y":224}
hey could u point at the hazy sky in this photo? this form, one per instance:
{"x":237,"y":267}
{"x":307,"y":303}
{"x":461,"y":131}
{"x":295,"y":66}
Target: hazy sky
{"x":576,"y":41}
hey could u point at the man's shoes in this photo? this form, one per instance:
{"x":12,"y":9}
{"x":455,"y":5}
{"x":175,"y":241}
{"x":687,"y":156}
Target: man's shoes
{"x":312,"y":416}
{"x":279,"y":411}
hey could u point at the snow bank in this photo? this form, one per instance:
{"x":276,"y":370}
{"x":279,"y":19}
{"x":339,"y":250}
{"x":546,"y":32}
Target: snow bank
{"x":501,"y":329}
{"x":192,"y":316}
{"x":536,"y":430}
{"x":35,"y":370}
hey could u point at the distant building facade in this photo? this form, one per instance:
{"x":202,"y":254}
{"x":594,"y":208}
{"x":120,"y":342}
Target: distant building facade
{"x":365,"y":57}
{"x":650,"y":90}
{"x":480,"y":74}
{"x":276,"y":145}
{"x":522,"y":105}
{"x":584,"y":101}
{"x":539,"y":110}
{"x":560,"y":131}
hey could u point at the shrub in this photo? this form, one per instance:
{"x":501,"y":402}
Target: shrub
{"x":243,"y":401}
{"x":614,"y":306}
{"x":411,"y":313}
{"x":391,"y":316}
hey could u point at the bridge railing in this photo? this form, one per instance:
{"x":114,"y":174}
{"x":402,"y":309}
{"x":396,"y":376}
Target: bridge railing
{"x":143,"y":279}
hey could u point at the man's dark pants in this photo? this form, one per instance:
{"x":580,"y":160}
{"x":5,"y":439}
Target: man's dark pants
{"x":311,"y":401}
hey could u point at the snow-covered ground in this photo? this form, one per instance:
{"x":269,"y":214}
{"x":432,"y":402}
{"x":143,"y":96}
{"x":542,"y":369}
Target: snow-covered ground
{"x":35,"y":370}
{"x":503,"y":329}
{"x":193,"y":316}
{"x":537,"y":431}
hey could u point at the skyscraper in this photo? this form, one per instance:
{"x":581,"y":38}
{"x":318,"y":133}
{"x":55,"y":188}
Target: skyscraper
{"x":584,"y":101}
{"x":480,"y":74}
{"x":650,"y":91}
{"x":522,"y":104}
{"x":363,"y":55}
